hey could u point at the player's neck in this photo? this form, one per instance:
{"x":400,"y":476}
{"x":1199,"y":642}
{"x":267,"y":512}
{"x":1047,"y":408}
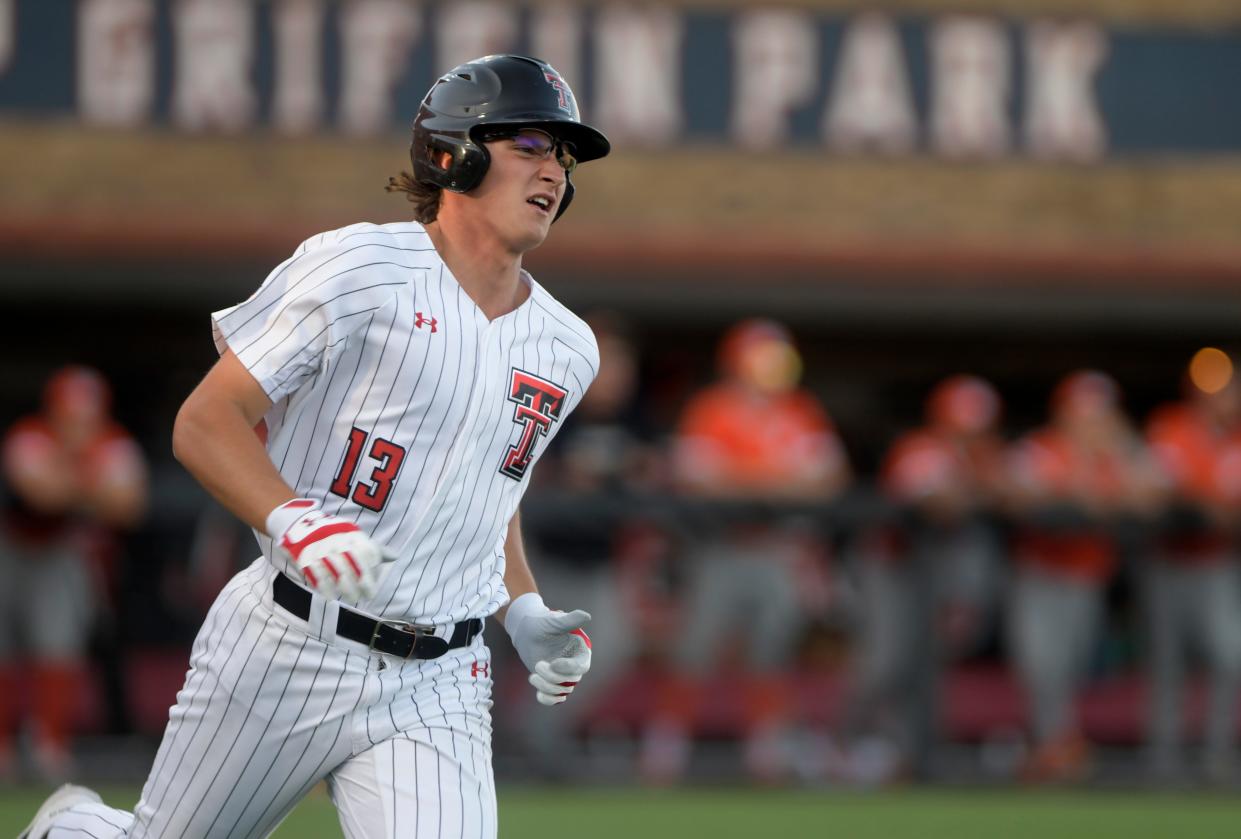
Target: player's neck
{"x":491,"y":277}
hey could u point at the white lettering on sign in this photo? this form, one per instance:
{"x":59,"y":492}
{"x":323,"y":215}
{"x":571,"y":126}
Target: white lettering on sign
{"x":775,"y":71}
{"x":377,"y":36}
{"x":970,"y":87}
{"x":556,"y":37}
{"x":638,"y":74}
{"x":297,"y":105}
{"x":116,"y":62}
{"x":633,"y":55}
{"x":214,"y":47}
{"x":470,"y":28}
{"x":1062,"y":119}
{"x":870,"y":105}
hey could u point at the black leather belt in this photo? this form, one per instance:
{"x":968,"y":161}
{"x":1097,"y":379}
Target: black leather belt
{"x":398,"y":638}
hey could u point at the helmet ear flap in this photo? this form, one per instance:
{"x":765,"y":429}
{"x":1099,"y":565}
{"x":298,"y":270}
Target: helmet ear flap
{"x":467,"y":162}
{"x":565,"y":199}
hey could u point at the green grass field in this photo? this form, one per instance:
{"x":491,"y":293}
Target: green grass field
{"x":738,"y":812}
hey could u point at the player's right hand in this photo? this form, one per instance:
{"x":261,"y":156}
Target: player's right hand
{"x":335,"y":557}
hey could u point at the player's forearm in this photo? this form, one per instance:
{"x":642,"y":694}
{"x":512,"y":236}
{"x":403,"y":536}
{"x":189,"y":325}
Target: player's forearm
{"x":48,"y":490}
{"x":119,"y":503}
{"x":215,"y":441}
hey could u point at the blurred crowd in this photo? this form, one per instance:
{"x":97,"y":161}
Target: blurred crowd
{"x":738,"y":553}
{"x":735,"y":563}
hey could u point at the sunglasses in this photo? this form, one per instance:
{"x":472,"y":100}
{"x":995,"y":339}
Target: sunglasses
{"x":537,"y":145}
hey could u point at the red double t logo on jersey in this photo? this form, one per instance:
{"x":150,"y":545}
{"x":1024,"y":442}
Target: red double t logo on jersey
{"x":420,"y":321}
{"x":539,"y":403}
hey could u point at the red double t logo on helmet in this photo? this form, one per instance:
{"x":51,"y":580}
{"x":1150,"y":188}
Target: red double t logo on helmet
{"x":539,"y":403}
{"x":562,"y":90}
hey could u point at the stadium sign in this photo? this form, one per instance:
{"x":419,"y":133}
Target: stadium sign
{"x":956,"y":86}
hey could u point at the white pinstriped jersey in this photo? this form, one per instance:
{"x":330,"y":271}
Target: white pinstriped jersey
{"x":400,"y":407}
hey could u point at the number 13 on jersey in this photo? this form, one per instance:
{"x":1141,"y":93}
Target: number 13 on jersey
{"x":372,"y":494}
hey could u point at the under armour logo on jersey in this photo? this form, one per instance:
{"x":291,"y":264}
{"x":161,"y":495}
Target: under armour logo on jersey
{"x":477,"y":668}
{"x":421,"y":321}
{"x":539,"y":403}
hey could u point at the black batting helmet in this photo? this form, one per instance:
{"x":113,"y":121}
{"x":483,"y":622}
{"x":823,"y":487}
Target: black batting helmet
{"x":496,"y":91}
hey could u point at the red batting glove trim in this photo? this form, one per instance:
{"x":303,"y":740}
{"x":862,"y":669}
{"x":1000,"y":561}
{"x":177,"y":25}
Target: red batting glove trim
{"x":583,"y":636}
{"x":354,"y":565}
{"x":310,"y":578}
{"x":315,"y":535}
{"x":297,"y":503}
{"x":327,"y":563}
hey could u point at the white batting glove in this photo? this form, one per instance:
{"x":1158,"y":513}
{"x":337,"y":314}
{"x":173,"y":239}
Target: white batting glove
{"x":551,"y":644}
{"x":336,"y":558}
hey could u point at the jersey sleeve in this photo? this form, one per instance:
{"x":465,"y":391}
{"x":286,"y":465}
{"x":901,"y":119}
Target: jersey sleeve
{"x":305,"y":311}
{"x":116,"y":460}
{"x":27,"y":449}
{"x":1167,"y":437}
{"x":817,"y":451}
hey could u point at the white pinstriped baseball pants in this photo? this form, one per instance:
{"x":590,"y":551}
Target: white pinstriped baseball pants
{"x":273,"y":704}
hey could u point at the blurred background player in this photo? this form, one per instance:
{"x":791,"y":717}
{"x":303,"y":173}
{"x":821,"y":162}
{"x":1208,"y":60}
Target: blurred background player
{"x":74,"y":480}
{"x":1191,"y":586}
{"x":927,"y":577}
{"x":1071,"y":482}
{"x":751,"y":438}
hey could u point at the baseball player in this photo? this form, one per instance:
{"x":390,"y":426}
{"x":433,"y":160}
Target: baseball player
{"x":926,"y":576}
{"x":754,"y":435}
{"x":76,"y":481}
{"x":1190,"y":583}
{"x":1089,"y":458}
{"x":405,"y":378}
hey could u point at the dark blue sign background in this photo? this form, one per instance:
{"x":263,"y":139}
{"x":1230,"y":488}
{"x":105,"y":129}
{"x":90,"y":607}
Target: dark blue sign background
{"x":1159,"y":91}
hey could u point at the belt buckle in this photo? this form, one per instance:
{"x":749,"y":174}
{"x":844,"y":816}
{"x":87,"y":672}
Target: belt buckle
{"x":404,"y":627}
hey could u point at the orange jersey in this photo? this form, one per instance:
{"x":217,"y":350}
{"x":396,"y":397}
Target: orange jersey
{"x":1228,"y":472}
{"x":1191,"y":452}
{"x":728,"y":434}
{"x":1189,"y":448}
{"x":1048,"y":463}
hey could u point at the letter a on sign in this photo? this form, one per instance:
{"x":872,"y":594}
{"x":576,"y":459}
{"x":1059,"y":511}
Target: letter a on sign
{"x":871,"y":106}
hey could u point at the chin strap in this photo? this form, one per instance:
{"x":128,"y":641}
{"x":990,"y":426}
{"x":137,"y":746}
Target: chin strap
{"x":568,"y":196}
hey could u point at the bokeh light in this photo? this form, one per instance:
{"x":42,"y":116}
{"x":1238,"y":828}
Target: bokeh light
{"x":1210,"y":370}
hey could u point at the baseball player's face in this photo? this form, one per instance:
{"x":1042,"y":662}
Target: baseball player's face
{"x":770,"y":366}
{"x":77,"y":416}
{"x":524,"y":186}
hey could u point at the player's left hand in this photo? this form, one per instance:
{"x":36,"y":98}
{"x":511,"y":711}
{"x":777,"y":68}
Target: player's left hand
{"x":551,"y":644}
